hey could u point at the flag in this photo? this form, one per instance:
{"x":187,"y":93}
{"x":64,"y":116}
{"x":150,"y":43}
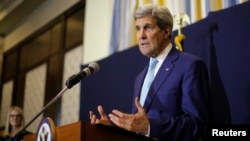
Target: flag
{"x":122,"y":30}
{"x":115,"y":29}
{"x":123,"y":33}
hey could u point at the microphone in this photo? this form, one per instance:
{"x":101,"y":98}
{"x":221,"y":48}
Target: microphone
{"x":92,"y":68}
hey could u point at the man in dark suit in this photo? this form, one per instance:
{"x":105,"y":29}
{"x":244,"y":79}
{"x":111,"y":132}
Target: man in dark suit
{"x":176,"y":106}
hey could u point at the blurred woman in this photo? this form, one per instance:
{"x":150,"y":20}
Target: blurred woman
{"x":14,"y":124}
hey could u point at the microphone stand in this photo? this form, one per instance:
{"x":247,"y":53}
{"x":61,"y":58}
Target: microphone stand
{"x":43,"y":109}
{"x":72,"y":80}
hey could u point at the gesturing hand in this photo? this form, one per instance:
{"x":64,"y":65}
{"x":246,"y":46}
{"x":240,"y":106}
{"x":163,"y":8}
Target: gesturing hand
{"x":138,"y":122}
{"x":104,"y":118}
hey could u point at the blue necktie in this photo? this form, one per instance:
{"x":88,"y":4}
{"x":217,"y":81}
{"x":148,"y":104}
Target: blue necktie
{"x":148,"y":80}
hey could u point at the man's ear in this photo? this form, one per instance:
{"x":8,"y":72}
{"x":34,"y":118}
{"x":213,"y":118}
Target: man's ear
{"x":167,"y":32}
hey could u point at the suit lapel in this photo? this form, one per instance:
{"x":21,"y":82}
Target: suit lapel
{"x":138,"y":86}
{"x":162,"y":75}
{"x":139,"y":81}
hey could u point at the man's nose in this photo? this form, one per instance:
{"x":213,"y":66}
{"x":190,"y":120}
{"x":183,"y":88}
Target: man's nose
{"x":141,"y":34}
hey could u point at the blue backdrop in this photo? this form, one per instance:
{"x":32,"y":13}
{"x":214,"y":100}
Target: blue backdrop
{"x":222,"y":40}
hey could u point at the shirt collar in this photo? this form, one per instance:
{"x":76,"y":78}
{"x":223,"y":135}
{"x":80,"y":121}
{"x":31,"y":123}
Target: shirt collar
{"x":161,"y":57}
{"x":164,"y":53}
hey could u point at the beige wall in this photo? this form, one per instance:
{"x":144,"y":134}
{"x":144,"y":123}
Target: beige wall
{"x":97,"y":29}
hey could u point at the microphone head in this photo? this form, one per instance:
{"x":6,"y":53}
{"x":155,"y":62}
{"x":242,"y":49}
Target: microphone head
{"x":95,"y":66}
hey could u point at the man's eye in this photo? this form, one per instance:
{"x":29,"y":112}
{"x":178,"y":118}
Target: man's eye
{"x":148,"y":27}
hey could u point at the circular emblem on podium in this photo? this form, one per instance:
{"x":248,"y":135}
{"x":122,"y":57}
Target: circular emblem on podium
{"x":46,"y":130}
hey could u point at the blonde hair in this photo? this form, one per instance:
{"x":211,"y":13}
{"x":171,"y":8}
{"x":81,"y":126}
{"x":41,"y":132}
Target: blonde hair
{"x":7,"y":125}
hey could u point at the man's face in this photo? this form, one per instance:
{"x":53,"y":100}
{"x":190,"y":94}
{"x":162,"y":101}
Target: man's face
{"x":150,"y":37}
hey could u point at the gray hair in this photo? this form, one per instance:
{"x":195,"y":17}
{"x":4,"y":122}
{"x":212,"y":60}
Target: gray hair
{"x":161,"y":14}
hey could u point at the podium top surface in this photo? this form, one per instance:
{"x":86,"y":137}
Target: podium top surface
{"x":82,"y":131}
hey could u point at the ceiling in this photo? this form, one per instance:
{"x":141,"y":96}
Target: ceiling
{"x":13,"y":11}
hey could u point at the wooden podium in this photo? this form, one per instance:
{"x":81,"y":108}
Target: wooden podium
{"x":81,"y":131}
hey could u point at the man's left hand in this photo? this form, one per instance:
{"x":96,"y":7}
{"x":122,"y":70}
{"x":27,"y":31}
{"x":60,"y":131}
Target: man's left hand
{"x":137,"y":122}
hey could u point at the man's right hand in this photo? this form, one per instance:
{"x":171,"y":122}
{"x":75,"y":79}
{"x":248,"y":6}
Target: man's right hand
{"x":104,"y":118}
